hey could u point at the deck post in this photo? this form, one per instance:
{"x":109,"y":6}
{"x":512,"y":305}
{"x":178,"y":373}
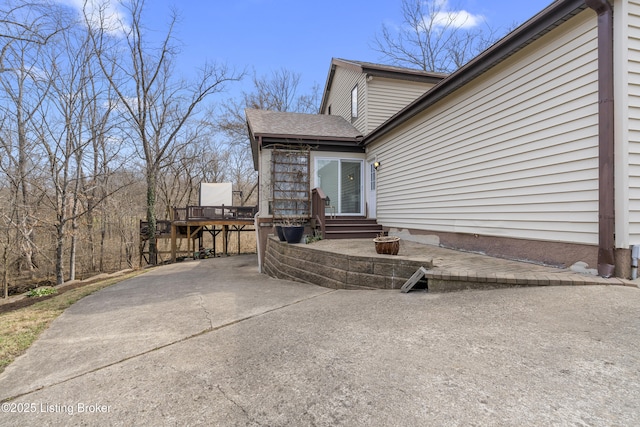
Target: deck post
{"x":193,"y":236}
{"x":174,"y":245}
{"x":238,"y":231}
{"x":189,"y":250}
{"x":225,"y":239}
{"x":214,"y":234}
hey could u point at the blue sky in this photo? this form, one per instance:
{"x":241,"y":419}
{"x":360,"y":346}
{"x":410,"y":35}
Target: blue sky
{"x":300,"y":35}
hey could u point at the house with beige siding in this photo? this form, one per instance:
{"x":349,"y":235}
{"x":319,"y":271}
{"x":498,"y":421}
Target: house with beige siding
{"x":530,"y":151}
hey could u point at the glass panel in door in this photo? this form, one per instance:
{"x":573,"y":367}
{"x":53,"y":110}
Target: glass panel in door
{"x":350,"y":197}
{"x":341,"y":181}
{"x":327,"y":179}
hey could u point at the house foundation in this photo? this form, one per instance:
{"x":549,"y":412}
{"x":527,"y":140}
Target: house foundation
{"x":556,"y":254}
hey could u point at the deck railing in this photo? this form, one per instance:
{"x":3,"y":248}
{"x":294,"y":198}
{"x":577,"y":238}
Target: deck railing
{"x":163,"y":227}
{"x":194,"y":213}
{"x":318,"y":203}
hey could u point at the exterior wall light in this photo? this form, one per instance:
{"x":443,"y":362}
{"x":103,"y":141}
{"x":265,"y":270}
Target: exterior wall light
{"x":376,"y":165}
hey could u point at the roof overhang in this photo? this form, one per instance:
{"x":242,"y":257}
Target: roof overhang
{"x":335,"y":144}
{"x":315,"y":144}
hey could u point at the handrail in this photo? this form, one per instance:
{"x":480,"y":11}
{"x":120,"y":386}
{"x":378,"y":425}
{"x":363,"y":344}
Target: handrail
{"x":318,"y":203}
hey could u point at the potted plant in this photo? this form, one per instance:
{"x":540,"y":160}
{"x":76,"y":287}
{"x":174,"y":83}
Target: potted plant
{"x":388,"y":245}
{"x":292,"y":229}
{"x":293,"y":233}
{"x":280,"y":233}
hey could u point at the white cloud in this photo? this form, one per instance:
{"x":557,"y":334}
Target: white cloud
{"x":97,"y":11}
{"x":457,"y":19}
{"x":445,"y":17}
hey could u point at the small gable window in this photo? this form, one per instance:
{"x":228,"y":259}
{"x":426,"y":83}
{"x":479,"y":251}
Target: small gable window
{"x":354,"y":102}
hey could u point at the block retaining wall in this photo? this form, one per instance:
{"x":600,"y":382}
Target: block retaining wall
{"x":302,"y":263}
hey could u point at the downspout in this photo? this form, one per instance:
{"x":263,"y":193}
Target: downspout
{"x":606,"y":187}
{"x":256,"y":217}
{"x":256,"y":225}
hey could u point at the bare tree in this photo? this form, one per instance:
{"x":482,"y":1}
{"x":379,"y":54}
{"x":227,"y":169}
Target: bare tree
{"x":63,"y":135}
{"x":278,"y":91}
{"x":240,"y":166}
{"x":158,"y":106}
{"x":433,"y":36}
{"x":69,"y":121}
{"x":104,"y":161}
{"x":26,"y":28}
{"x":29,"y":21}
{"x":121,"y":218}
{"x":203,"y":160}
{"x":6,"y":243}
{"x":22,"y":96}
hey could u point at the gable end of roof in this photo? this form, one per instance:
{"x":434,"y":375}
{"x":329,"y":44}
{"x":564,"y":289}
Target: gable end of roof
{"x":378,"y":70}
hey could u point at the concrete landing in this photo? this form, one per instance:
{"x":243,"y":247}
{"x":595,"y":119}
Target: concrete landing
{"x":354,"y":264}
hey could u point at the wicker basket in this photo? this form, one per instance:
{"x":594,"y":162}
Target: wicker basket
{"x":388,"y":245}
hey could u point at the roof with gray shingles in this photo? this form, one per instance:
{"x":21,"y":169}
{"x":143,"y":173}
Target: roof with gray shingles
{"x":301,"y":126}
{"x":371,"y":66}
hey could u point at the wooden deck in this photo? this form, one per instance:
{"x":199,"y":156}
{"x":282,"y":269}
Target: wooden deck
{"x":193,"y":221}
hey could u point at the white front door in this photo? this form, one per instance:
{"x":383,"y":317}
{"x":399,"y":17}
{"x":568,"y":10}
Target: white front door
{"x":371,"y":190}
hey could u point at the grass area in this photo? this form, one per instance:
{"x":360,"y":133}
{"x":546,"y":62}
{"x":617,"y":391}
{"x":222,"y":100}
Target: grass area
{"x":21,"y":327}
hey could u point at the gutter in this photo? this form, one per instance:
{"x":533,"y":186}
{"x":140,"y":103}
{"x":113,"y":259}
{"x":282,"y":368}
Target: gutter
{"x":299,"y":138}
{"x":606,"y":120}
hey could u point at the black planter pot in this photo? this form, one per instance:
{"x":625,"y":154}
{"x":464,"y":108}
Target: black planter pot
{"x":293,"y":234}
{"x":280,"y":233}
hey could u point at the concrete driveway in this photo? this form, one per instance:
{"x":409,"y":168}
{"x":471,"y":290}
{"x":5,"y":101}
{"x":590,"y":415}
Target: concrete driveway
{"x":213,"y":342}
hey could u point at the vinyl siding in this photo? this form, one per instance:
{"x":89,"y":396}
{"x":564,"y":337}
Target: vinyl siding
{"x":512,"y":154}
{"x":339,"y":98}
{"x":385,"y":97}
{"x":633,"y":135}
{"x":378,"y":98}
